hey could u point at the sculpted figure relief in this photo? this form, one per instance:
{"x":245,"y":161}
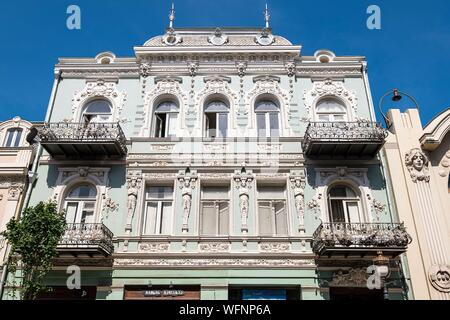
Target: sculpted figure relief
{"x":417,"y":163}
{"x":243,"y":186}
{"x":299,"y":195}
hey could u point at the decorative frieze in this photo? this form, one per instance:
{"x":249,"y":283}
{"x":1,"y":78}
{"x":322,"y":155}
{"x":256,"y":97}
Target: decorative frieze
{"x":274,"y":247}
{"x":214,"y":247}
{"x":153,"y":247}
{"x":216,"y":262}
{"x":355,"y":277}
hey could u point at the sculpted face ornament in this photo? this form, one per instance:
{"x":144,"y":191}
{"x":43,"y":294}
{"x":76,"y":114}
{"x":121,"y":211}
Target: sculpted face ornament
{"x":417,"y":163}
{"x":439,"y":276}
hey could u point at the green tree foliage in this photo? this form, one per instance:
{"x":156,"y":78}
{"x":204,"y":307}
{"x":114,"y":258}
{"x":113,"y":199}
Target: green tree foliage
{"x":33,"y":239}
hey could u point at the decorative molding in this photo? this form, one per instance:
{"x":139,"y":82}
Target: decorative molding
{"x":330,"y":88}
{"x":215,"y":247}
{"x":298,"y":183}
{"x":134,"y":183}
{"x":417,"y":164}
{"x":355,"y":277}
{"x":218,"y":38}
{"x":153,"y":247}
{"x":14,"y":192}
{"x":98,"y":89}
{"x":444,"y":165}
{"x":215,"y":262}
{"x":187,"y":183}
{"x":439,"y":276}
{"x":275,"y":247}
{"x":241,"y":67}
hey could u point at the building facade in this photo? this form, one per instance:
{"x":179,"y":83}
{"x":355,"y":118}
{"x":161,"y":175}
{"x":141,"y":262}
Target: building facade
{"x":419,"y":159}
{"x":16,"y":157}
{"x":219,"y":164}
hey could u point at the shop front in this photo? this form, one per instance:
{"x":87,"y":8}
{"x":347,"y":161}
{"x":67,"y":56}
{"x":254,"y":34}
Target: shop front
{"x":175,"y":292}
{"x":264,"y":293}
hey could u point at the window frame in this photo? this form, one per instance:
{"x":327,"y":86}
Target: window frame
{"x":87,"y":120}
{"x":267,"y":113}
{"x":273,"y":199}
{"x":331,"y":115}
{"x":16,"y":138}
{"x":159,"y":202}
{"x":167,"y":119}
{"x":207,"y":130}
{"x":225,"y":199}
{"x":81,"y":202}
{"x":344,"y":201}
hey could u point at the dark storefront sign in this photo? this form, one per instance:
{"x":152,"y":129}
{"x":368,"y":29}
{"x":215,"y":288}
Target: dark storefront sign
{"x":354,"y":293}
{"x":260,"y":293}
{"x":162,"y":293}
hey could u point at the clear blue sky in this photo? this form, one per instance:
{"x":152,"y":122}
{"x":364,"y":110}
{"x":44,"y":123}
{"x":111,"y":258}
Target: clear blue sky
{"x":411,"y":51}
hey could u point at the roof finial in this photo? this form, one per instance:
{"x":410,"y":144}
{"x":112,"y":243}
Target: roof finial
{"x":171,"y":16}
{"x":267,"y":17}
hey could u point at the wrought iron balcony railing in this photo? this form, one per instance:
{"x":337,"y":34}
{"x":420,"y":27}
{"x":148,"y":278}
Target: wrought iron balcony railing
{"x":69,"y":138}
{"x":360,"y":236}
{"x":89,"y":237}
{"x":360,"y":138}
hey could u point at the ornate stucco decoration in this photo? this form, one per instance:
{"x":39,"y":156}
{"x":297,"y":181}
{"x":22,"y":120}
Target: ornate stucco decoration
{"x":244,"y":181}
{"x":357,"y":177}
{"x":214,"y":247}
{"x":134,"y":181}
{"x":356,"y":277}
{"x":298,"y":185}
{"x":439,"y":276}
{"x":378,"y":207}
{"x":417,"y":163}
{"x":207,"y":263}
{"x":265,"y":38}
{"x":290,"y":67}
{"x":193,"y":68}
{"x":171,"y":38}
{"x":241,"y":67}
{"x":98,"y":89}
{"x":14,"y":192}
{"x":164,"y":87}
{"x":108,"y":206}
{"x":153,"y":247}
{"x":145,"y":68}
{"x":444,"y":165}
{"x":274,"y":247}
{"x":270,"y":85}
{"x":330,"y":88}
{"x":218,"y":38}
{"x":187,"y":182}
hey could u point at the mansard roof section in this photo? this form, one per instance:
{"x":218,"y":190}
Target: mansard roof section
{"x":217,"y":40}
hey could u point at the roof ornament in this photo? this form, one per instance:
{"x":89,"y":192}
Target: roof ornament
{"x":265,"y":38}
{"x":171,"y":16}
{"x":267,"y":17}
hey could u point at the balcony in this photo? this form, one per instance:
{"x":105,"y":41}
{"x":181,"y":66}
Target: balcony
{"x":76,"y":140}
{"x":86,"y":238}
{"x":360,"y":239}
{"x":344,"y":140}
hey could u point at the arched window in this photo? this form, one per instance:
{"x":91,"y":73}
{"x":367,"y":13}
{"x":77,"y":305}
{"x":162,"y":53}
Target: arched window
{"x":165,"y":122}
{"x":344,"y":205}
{"x":96,"y":111}
{"x":267,"y":118}
{"x":13,"y":138}
{"x":216,"y":119}
{"x":330,"y":109}
{"x":80,"y":204}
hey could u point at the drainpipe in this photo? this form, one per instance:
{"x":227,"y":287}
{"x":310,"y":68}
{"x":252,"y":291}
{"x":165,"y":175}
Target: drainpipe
{"x":32,"y":175}
{"x":386,"y":177}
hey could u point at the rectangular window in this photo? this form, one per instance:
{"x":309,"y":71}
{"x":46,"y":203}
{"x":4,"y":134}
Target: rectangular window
{"x":13,"y":138}
{"x":261,"y":124}
{"x":165,"y":125}
{"x":274,"y":125}
{"x":216,"y":124}
{"x":158,"y":210}
{"x":214,"y":218}
{"x":272,"y":212}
